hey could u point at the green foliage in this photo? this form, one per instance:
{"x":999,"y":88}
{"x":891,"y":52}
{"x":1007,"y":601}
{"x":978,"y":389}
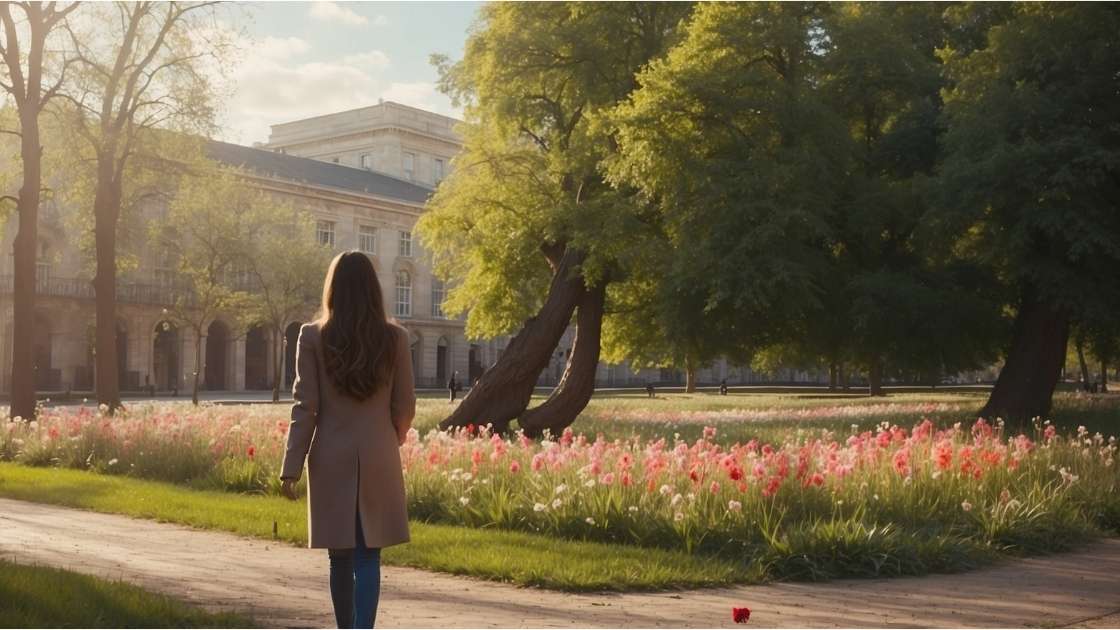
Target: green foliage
{"x":533,"y":79}
{"x":1033,"y":150}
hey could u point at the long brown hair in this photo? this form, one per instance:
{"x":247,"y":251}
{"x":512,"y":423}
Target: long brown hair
{"x":359,"y":342}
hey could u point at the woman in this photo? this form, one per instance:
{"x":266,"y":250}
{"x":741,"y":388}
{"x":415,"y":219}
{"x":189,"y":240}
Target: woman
{"x":354,"y":404}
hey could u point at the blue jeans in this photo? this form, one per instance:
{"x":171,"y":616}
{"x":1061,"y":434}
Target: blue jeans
{"x":355,"y":582}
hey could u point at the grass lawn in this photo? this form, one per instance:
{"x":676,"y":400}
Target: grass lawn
{"x":516,"y":557}
{"x":41,"y":597}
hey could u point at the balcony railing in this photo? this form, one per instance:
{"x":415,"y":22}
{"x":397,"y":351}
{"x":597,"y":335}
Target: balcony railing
{"x":81,"y":288}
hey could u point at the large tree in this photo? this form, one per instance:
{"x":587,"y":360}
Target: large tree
{"x":144,"y":66}
{"x":1032,"y":175}
{"x":31,"y":80}
{"x":525,"y":228}
{"x":909,"y":304}
{"x":280,"y":270}
{"x":205,"y":233}
{"x":730,"y":139}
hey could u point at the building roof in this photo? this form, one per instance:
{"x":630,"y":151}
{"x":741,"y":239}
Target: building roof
{"x":316,"y":173}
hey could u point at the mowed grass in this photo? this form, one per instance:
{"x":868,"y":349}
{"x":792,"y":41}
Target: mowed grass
{"x":42,"y":597}
{"x":515,"y":557}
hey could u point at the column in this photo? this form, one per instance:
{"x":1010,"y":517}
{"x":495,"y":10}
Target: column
{"x":236,"y":377}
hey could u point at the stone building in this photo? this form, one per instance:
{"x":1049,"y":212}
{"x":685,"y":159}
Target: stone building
{"x":364,"y":175}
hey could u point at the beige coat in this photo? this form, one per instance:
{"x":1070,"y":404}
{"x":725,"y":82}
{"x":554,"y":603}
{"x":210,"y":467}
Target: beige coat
{"x":353,"y":461}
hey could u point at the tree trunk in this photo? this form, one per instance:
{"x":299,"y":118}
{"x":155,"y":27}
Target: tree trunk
{"x":197,"y":365}
{"x":503,"y":391}
{"x":106,"y":209}
{"x":1079,"y":343}
{"x":578,"y":383}
{"x":1104,"y":376}
{"x":278,"y":364}
{"x":843,"y":372}
{"x":23,"y":284}
{"x":689,"y":376}
{"x":832,"y":376}
{"x":1025,"y":385}
{"x":875,"y":379}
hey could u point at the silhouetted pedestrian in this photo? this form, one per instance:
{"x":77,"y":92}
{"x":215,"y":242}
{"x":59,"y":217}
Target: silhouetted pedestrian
{"x":649,"y":390}
{"x":452,"y":388}
{"x":723,"y":387}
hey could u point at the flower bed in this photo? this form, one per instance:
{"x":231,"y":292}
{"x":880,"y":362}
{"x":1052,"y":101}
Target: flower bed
{"x":814,"y":504}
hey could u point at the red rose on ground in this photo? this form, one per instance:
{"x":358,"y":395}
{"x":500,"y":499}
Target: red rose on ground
{"x":741,"y":615}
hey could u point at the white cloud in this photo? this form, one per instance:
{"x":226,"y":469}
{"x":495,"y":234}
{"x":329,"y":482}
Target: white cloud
{"x":280,"y":80}
{"x":334,"y":12}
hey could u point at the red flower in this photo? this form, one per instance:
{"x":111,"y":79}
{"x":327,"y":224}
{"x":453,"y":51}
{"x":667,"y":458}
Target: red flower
{"x":252,"y":452}
{"x":741,"y":615}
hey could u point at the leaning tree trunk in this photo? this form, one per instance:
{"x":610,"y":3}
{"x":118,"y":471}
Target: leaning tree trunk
{"x":578,"y":383}
{"x":503,"y":391}
{"x":23,"y":284}
{"x":1079,"y":343}
{"x":106,"y":207}
{"x":875,"y":379}
{"x":1034,"y":362}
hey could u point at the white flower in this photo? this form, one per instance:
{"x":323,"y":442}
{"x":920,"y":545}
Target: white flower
{"x":562,"y":488}
{"x":589,"y":520}
{"x":113,"y":462}
{"x":875,"y":497}
{"x":590,"y":483}
{"x":966,"y":506}
{"x":676,"y":500}
{"x":539,"y":507}
{"x":1067,"y":476}
{"x":632,"y":509}
{"x":34,"y":424}
{"x":734,"y":505}
{"x":666,"y":490}
{"x":936,"y":474}
{"x":678,"y":517}
{"x":466,"y":476}
{"x":556,"y":503}
{"x":464,"y":500}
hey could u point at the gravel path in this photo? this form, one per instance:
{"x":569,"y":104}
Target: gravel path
{"x":286,"y":586}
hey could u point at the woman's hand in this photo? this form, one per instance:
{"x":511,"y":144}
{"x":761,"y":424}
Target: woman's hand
{"x":288,"y":488}
{"x":402,"y":435}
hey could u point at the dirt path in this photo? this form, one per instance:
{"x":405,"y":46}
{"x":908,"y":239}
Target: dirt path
{"x":286,"y":586}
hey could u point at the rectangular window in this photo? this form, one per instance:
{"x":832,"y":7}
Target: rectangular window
{"x":437,"y":170}
{"x":437,"y":298}
{"x":403,"y":306}
{"x":324,"y":233}
{"x":404,"y":245}
{"x":408,"y":164}
{"x":367,"y":239}
{"x":363,"y":160}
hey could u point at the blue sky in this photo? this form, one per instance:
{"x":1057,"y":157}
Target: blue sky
{"x":307,"y":58}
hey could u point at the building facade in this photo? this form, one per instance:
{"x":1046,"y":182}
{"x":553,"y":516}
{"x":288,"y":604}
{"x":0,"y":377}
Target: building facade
{"x":365,"y":176}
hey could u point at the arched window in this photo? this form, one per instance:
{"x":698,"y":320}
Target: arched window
{"x":404,"y":295}
{"x":437,"y":298}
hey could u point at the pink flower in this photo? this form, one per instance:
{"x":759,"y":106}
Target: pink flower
{"x":514,"y":466}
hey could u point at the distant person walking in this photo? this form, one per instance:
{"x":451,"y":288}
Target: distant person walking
{"x":452,"y":387}
{"x":354,"y":404}
{"x":649,"y":390}
{"x":723,"y":387}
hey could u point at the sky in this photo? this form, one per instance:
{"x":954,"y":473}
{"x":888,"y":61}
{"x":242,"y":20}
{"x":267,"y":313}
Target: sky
{"x":301,"y":59}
